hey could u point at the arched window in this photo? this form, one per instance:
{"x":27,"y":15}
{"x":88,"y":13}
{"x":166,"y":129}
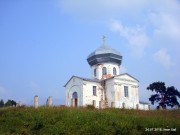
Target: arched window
{"x":75,"y":95}
{"x":114,"y":71}
{"x":95,"y":72}
{"x":104,"y":71}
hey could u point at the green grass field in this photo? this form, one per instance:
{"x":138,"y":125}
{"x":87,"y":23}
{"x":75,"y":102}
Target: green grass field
{"x":62,"y":120}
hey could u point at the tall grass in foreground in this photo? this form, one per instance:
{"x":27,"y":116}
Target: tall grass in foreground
{"x":62,"y":120}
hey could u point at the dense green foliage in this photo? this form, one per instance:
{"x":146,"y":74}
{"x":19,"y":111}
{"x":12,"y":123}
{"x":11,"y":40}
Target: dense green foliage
{"x":165,"y":96}
{"x":1,"y":103}
{"x":62,"y":120}
{"x":8,"y":103}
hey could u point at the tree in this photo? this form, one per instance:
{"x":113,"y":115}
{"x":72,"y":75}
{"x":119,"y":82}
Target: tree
{"x":13,"y":102}
{"x":165,"y":96}
{"x":1,"y":103}
{"x":10,"y":103}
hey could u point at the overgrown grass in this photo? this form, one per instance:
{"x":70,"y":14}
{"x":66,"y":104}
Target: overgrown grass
{"x":62,"y":120}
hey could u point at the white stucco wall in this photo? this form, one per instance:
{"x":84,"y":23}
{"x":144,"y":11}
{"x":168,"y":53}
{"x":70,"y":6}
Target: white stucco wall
{"x":109,"y":67}
{"x":74,"y":85}
{"x":115,"y":91}
{"x":84,"y":90}
{"x":88,"y":96}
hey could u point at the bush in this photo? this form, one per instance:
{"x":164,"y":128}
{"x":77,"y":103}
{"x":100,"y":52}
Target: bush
{"x":90,"y":107}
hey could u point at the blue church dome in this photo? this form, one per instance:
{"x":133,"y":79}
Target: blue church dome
{"x":104,"y":54}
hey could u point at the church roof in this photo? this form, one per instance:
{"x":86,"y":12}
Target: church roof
{"x":103,"y":49}
{"x":129,"y":75}
{"x":99,"y":81}
{"x":88,"y":79}
{"x":122,"y":75}
{"x":104,"y":54}
{"x":84,"y":79}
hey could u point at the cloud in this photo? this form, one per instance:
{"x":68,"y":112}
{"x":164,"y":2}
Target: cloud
{"x":163,"y":14}
{"x":167,"y":26}
{"x":101,"y":8}
{"x":163,"y":58}
{"x":143,"y":24}
{"x":136,"y":36}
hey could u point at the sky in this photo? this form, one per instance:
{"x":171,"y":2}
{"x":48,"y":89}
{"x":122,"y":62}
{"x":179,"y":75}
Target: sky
{"x":44,"y":42}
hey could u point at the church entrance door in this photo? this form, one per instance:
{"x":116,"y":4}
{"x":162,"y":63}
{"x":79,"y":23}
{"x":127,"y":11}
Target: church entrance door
{"x":75,"y":99}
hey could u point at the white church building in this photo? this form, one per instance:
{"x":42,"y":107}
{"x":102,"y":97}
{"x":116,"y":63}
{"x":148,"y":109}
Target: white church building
{"x":107,"y":87}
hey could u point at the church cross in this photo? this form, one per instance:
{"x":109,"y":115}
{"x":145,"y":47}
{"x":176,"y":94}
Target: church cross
{"x":104,"y":40}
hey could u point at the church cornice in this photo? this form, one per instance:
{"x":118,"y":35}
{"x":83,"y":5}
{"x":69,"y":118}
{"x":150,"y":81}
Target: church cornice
{"x":126,"y":80}
{"x":116,"y":77}
{"x":119,"y":84}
